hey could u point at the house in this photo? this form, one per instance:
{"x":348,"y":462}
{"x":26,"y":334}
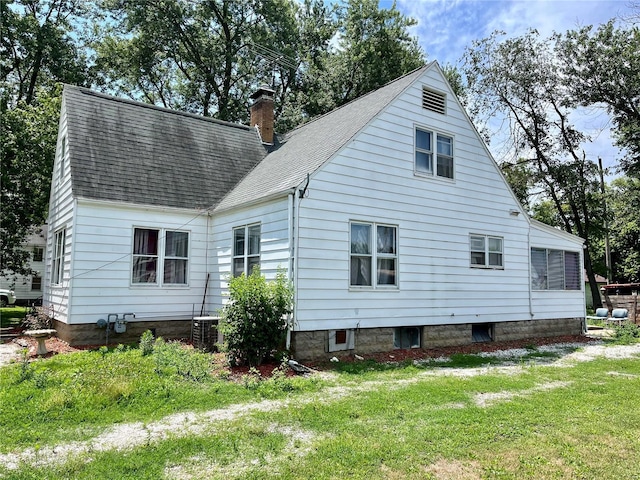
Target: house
{"x":389,"y":215}
{"x":600,"y":280}
{"x":28,"y":288}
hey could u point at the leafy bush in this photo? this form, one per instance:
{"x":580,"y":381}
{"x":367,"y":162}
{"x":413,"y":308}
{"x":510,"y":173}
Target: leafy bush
{"x":146,"y":343}
{"x":253,"y":322}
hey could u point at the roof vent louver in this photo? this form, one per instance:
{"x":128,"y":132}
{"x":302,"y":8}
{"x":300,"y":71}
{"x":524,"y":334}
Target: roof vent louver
{"x":434,"y":101}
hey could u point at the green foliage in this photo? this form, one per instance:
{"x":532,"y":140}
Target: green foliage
{"x":29,"y":135}
{"x":173,"y":358}
{"x":253,"y":321}
{"x":601,"y":66}
{"x":624,"y":205}
{"x":375,"y":47}
{"x":627,"y":333}
{"x":146,"y":343}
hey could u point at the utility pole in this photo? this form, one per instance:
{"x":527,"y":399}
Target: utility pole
{"x":607,"y":249}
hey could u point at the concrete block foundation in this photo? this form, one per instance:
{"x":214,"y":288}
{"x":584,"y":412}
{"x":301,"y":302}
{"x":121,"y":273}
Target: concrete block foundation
{"x":314,"y":345}
{"x":91,"y":334}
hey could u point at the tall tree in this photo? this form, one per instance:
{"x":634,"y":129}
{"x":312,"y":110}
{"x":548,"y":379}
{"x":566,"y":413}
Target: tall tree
{"x":37,"y":50}
{"x":29,"y":135}
{"x":602,"y":66}
{"x":519,"y":78}
{"x":624,"y":205}
{"x":207,"y":56}
{"x":373,"y":47}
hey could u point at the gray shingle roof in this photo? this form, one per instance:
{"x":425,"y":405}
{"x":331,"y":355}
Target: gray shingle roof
{"x":305,"y":149}
{"x":132,"y":152}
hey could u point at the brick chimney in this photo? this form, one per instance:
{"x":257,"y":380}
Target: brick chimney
{"x":262,"y":113}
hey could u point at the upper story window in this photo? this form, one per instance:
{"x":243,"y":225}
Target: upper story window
{"x":373,"y":255}
{"x":434,"y":153}
{"x":486,"y":251}
{"x":246,"y":249}
{"x":57,"y":264}
{"x":555,"y":270}
{"x":63,"y":156}
{"x":38,"y":254}
{"x":160,"y":254}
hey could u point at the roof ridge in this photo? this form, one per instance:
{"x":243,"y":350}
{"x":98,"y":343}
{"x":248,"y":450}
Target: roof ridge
{"x":113,"y":98}
{"x":314,"y":119}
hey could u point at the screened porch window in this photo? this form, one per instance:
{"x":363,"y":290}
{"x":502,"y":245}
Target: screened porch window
{"x":373,"y":255}
{"x":555,"y":270}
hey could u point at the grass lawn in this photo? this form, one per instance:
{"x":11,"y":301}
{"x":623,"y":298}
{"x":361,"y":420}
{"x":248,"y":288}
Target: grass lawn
{"x":12,"y":316}
{"x":118,"y":414}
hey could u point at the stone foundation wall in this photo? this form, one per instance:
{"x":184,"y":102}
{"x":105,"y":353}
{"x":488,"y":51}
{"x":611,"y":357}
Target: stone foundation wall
{"x":307,"y":346}
{"x":91,"y":334}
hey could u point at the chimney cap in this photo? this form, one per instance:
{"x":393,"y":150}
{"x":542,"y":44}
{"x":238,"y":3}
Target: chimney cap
{"x":263,"y":90}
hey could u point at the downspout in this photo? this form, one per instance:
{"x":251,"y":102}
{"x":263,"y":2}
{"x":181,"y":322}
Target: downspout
{"x":529,"y":270}
{"x":290,"y":270}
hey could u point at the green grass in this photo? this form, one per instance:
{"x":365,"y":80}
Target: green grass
{"x":374,"y":422}
{"x":12,"y":316}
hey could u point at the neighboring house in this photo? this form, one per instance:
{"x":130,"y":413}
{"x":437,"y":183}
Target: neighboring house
{"x":600,"y":280}
{"x":28,"y":288}
{"x":389,"y":214}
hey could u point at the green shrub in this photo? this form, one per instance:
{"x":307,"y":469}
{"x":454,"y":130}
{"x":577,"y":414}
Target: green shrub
{"x":627,"y":333}
{"x":146,"y":343}
{"x":253,"y":322}
{"x":173,"y":358}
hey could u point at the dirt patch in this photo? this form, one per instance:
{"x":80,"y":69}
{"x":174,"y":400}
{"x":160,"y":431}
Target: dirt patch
{"x":454,"y":470}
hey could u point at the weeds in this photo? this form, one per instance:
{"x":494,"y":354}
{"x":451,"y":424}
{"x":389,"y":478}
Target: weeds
{"x":627,"y":333}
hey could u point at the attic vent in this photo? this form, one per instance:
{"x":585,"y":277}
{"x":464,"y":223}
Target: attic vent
{"x":433,"y":101}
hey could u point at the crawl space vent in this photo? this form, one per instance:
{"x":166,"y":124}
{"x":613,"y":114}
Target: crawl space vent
{"x":433,"y":101}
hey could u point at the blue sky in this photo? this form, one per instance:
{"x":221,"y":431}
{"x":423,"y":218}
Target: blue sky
{"x":446,"y":27}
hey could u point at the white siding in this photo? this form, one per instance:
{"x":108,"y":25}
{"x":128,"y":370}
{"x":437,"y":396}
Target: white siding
{"x":61,"y":210}
{"x":372,"y":179}
{"x":102,"y":263}
{"x":274,"y":243}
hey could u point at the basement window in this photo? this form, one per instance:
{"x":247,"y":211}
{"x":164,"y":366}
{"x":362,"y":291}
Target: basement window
{"x":482,"y":332}
{"x":341,"y":340}
{"x":406,"y":337}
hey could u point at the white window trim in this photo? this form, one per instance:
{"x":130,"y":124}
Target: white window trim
{"x":57,"y":259}
{"x":433,"y":152}
{"x":374,"y":257}
{"x":161,"y":257}
{"x":487,"y":252}
{"x":245,"y":255}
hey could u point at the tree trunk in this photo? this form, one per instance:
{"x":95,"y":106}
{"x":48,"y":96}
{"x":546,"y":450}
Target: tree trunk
{"x":593,"y":285}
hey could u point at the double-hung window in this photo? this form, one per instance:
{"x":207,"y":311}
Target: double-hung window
{"x":246,"y":249}
{"x":555,"y":270}
{"x":160,"y":254}
{"x":434,"y":154}
{"x":373,"y":255}
{"x":486,"y":251}
{"x":38,"y":254}
{"x":57,"y":264}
